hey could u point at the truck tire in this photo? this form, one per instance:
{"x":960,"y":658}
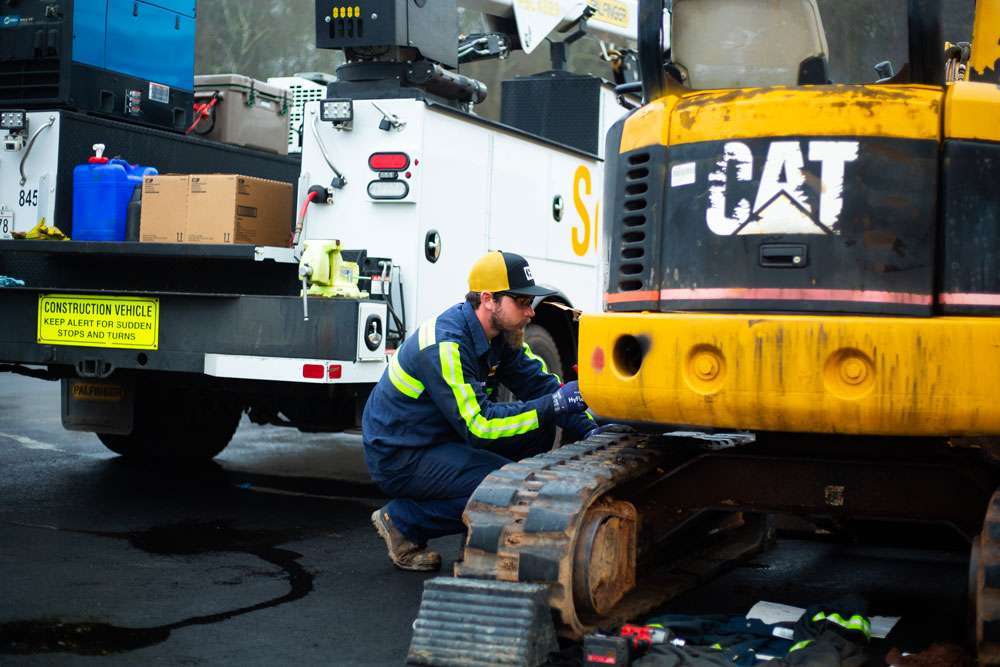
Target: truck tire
{"x":542,"y":345}
{"x":984,"y":573}
{"x":177,"y":424}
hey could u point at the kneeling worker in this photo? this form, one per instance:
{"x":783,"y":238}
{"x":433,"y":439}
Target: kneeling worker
{"x":432,"y":407}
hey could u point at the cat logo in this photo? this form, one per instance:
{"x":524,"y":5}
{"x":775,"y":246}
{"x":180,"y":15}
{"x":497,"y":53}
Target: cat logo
{"x":782,"y":204}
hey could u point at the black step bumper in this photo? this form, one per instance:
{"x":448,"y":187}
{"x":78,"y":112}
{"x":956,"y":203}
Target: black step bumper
{"x":191,"y":326}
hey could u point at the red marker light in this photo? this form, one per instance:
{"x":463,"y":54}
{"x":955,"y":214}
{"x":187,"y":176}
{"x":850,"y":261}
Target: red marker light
{"x":335,"y":371}
{"x":313,"y":371}
{"x":388,"y":161}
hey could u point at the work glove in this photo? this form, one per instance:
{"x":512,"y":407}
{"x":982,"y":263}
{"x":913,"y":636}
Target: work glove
{"x":567,"y":400}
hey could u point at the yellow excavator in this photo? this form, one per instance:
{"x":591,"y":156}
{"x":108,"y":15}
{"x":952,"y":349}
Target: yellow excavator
{"x":802,"y":317}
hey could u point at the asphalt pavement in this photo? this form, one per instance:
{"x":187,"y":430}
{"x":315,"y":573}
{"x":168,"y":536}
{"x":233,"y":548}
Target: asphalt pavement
{"x":266,"y":556}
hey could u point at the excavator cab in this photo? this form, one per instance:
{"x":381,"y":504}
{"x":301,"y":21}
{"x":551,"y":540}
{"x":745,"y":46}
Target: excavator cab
{"x":724,"y":44}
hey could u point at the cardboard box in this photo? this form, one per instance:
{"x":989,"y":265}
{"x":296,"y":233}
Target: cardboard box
{"x":164,"y":209}
{"x":215,"y":208}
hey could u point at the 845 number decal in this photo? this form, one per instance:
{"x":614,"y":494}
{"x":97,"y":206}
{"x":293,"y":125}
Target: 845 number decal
{"x":27,"y":198}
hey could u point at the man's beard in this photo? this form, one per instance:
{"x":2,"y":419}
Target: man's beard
{"x":513,"y":338}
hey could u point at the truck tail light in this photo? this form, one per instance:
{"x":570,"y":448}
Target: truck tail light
{"x":336,"y":370}
{"x":388,"y":161}
{"x":313,"y":371}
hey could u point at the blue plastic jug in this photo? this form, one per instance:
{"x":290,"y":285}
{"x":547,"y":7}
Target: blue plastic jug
{"x":101,"y":192}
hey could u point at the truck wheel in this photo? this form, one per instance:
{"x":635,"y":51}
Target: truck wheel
{"x":984,"y":582}
{"x":177,"y":424}
{"x":542,"y":345}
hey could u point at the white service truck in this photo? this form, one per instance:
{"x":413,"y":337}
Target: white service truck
{"x":401,"y":187}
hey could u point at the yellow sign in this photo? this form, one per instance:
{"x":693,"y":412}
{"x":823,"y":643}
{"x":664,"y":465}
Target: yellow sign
{"x":611,"y":11}
{"x":99,"y":321}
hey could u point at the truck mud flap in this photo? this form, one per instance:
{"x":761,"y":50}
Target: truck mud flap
{"x":95,"y":405}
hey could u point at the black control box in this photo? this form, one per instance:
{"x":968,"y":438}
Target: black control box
{"x":430,"y":26}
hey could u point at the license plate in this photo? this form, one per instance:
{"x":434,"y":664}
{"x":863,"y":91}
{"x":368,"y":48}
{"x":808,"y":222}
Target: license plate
{"x":99,"y":321}
{"x":6,"y":225}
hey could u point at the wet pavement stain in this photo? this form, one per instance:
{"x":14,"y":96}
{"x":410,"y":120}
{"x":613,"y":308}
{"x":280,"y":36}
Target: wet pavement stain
{"x":183,"y":539}
{"x":42,"y":636}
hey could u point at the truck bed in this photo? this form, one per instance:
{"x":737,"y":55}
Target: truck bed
{"x":209,"y":299}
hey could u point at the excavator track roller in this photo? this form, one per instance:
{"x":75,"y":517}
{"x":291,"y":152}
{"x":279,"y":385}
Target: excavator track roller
{"x":605,"y":557}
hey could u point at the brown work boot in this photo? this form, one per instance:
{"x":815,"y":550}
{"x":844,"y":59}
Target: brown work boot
{"x":404,"y":554}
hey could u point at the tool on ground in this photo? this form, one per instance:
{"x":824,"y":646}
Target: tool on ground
{"x":642,"y":637}
{"x":602,"y":650}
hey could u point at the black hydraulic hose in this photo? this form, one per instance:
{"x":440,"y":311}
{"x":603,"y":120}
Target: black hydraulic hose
{"x":390,"y":306}
{"x":650,"y":42}
{"x":402,"y":304}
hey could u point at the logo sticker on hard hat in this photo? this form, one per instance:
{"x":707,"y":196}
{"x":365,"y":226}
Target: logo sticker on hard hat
{"x":788,"y":198}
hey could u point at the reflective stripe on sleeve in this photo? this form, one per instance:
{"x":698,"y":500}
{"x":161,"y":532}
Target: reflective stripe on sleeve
{"x":469,"y":408}
{"x":427,"y":336}
{"x":856,"y":622}
{"x":800,"y":645}
{"x":403,"y":381}
{"x":545,"y":368}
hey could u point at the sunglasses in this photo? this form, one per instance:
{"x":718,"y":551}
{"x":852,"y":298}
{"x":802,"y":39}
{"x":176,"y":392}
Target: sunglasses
{"x":520,"y":299}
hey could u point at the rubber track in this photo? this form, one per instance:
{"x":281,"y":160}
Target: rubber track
{"x":523,"y":518}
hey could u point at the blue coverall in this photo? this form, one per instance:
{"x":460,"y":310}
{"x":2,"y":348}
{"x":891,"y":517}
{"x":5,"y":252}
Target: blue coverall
{"x":430,"y":413}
